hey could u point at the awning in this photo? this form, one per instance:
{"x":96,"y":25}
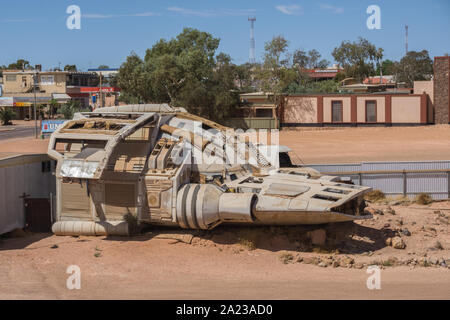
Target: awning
{"x":6,"y":101}
{"x":61,"y":97}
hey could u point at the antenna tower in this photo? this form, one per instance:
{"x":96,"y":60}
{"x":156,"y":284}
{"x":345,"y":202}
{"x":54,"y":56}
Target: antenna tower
{"x":252,"y":58}
{"x":406,"y":44}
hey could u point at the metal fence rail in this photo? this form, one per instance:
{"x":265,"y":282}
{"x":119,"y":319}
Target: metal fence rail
{"x":252,"y":123}
{"x":397,"y":178}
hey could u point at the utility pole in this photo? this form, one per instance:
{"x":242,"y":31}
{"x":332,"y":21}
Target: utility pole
{"x":381,"y":71}
{"x":35,"y":82}
{"x":100,"y":93}
{"x":406,"y":44}
{"x":252,"y":58}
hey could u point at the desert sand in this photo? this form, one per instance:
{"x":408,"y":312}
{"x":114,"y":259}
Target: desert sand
{"x":331,"y":145}
{"x":240,"y":262}
{"x":258,"y":262}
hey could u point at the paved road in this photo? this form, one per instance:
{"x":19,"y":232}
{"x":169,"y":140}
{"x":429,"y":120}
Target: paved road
{"x":17,"y":132}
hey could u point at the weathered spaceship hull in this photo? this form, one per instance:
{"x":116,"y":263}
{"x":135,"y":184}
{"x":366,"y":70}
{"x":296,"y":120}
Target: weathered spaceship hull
{"x":120,"y":168}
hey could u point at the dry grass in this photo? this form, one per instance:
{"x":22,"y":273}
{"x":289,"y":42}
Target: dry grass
{"x":248,"y":238}
{"x":375,"y":196}
{"x":249,"y":244}
{"x":286,"y":257}
{"x":132,"y":222}
{"x":423,"y":198}
{"x":325,"y":250}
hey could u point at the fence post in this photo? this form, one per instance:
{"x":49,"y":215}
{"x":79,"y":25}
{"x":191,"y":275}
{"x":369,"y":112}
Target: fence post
{"x":404,"y":183}
{"x":448,"y":184}
{"x":360,"y":179}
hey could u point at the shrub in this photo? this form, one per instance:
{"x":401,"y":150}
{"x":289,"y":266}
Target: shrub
{"x":286,"y":257}
{"x":423,"y":198}
{"x":69,"y":109}
{"x":6,"y":115}
{"x":248,"y":243}
{"x":248,"y":238}
{"x":375,"y":195}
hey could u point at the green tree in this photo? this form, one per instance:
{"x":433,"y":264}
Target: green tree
{"x":54,"y":105}
{"x":70,"y":67}
{"x":274,"y":51}
{"x":182,"y":62}
{"x":312,"y":87}
{"x":310,"y":59}
{"x":414,"y":66}
{"x":244,"y":76}
{"x":68,"y":109}
{"x":300,"y":58}
{"x":215,"y":97}
{"x":134,"y":81}
{"x":103,"y":67}
{"x":6,"y":115}
{"x":314,"y":57}
{"x":358,"y":58}
{"x":388,"y":67}
{"x":322,"y":64}
{"x":20,"y":64}
{"x":275,"y":74}
{"x":182,"y":71}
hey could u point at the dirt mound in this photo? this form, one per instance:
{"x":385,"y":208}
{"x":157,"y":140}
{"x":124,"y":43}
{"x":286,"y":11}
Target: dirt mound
{"x":397,"y":235}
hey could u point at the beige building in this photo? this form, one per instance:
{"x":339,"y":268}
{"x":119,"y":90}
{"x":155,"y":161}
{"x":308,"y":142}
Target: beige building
{"x":258,"y":110}
{"x":58,"y":85}
{"x":355,"y":109}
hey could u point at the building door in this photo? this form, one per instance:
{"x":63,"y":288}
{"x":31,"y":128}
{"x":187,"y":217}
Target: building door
{"x":337,"y":111}
{"x":371,"y":111}
{"x":38,"y":214}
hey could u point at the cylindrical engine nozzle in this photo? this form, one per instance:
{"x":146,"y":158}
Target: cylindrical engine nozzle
{"x":204,"y":206}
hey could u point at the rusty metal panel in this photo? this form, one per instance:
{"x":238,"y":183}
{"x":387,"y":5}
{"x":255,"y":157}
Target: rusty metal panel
{"x":120,"y":199}
{"x":75,"y":201}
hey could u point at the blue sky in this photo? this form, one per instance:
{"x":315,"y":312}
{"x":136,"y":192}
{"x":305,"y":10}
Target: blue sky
{"x":111,"y":29}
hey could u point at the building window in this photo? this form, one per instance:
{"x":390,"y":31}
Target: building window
{"x":336,"y":111}
{"x":11,"y":77}
{"x":264,"y":113}
{"x":47,"y":80}
{"x":371,"y":111}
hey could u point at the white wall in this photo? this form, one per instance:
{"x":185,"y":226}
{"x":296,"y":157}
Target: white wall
{"x":18,"y":175}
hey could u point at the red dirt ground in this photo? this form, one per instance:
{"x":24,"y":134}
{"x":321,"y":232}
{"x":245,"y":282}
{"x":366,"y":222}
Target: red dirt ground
{"x":235,"y":262}
{"x":229,"y":263}
{"x":350,"y":145}
{"x":333,"y":145}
